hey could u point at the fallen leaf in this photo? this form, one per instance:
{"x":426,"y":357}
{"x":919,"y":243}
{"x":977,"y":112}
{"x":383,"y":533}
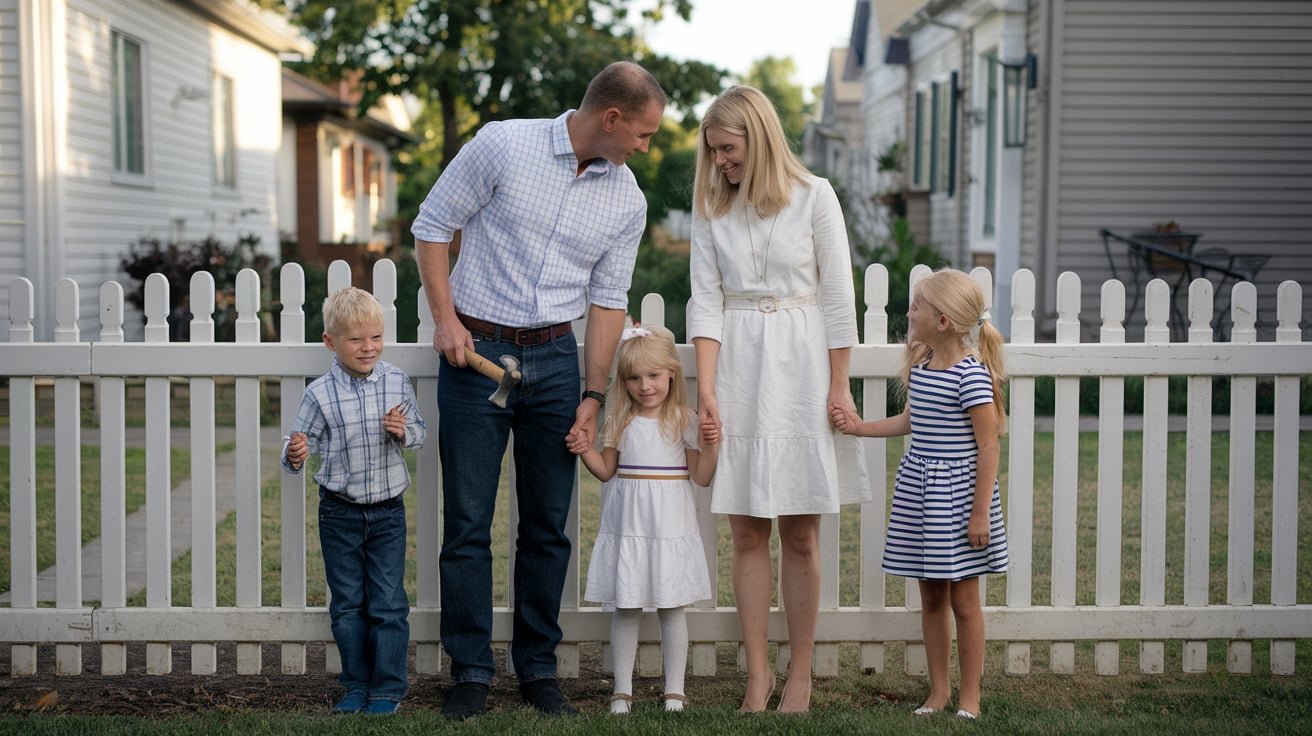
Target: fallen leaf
{"x":47,"y":701}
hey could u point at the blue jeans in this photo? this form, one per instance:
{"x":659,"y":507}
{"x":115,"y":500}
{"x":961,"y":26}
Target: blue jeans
{"x":364,"y":561}
{"x":472,"y":437}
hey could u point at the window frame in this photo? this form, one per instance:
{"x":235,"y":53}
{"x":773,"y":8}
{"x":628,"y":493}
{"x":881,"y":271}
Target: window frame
{"x":128,"y":165}
{"x":223,"y":131}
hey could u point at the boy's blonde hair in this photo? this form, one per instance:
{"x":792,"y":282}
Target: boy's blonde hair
{"x":350,"y":306}
{"x":771,"y":168}
{"x":653,"y":350}
{"x":955,"y":295}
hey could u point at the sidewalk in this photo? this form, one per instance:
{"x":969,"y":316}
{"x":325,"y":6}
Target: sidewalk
{"x":180,"y":501}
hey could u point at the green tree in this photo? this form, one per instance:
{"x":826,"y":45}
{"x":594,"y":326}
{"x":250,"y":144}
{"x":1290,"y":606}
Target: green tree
{"x":492,"y":59}
{"x":773,"y":75}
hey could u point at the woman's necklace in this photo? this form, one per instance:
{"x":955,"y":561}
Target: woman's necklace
{"x":763,"y":266}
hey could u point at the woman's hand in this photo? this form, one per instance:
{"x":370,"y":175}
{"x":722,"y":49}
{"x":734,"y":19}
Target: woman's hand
{"x":708,"y":417}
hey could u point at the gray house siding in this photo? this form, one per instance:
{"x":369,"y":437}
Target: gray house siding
{"x":1190,"y":111}
{"x":11,"y":155}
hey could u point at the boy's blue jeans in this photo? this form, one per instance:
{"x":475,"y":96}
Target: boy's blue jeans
{"x":364,"y":561}
{"x":472,"y":436}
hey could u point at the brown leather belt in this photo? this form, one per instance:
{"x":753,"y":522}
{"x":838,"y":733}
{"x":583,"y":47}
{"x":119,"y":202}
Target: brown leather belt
{"x":522,"y":336}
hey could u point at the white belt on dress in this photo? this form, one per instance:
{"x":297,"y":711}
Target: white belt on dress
{"x":767,"y":303}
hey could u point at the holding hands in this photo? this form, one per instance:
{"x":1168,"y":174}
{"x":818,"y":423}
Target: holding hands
{"x":844,"y":418}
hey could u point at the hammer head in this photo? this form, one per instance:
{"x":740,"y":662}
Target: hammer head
{"x":509,"y":378}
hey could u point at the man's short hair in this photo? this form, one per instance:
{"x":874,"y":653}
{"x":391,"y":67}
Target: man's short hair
{"x":623,"y":85}
{"x":348,"y":307}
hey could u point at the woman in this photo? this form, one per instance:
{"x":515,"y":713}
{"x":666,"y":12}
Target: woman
{"x":773,"y":320}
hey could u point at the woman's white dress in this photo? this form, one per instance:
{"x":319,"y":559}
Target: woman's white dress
{"x":780,"y":454}
{"x":648,"y":552}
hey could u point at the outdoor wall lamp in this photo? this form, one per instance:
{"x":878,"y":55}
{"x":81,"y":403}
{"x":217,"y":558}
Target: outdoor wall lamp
{"x":1017,"y":80}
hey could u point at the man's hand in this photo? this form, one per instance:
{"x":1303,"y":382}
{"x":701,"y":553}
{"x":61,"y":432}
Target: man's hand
{"x":584,"y":431}
{"x":451,"y":339}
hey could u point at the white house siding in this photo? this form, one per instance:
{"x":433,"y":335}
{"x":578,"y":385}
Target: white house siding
{"x":11,"y":158}
{"x":1192,"y":110}
{"x":935,"y":54}
{"x":103,"y":216}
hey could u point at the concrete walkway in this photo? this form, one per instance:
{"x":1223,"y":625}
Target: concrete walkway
{"x":225,"y":466}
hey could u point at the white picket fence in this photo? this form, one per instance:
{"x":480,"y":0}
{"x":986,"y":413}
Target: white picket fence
{"x":111,"y":625}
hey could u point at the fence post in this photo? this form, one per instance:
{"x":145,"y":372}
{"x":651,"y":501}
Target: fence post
{"x":1111,"y":476}
{"x":1284,"y":480}
{"x":250,"y":571}
{"x":159,"y":511}
{"x":428,"y":478}
{"x":68,"y":478}
{"x":874,"y":403}
{"x":204,"y":660}
{"x":22,"y":475}
{"x":113,"y":481}
{"x":1020,"y":471}
{"x":1152,"y":542}
{"x":1065,"y":469}
{"x":1198,"y":474}
{"x":291,"y":292}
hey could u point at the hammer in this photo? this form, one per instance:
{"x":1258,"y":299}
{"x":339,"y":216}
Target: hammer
{"x":506,"y":378}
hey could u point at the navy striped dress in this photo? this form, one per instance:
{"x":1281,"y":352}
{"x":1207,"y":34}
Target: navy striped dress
{"x":936,"y":481}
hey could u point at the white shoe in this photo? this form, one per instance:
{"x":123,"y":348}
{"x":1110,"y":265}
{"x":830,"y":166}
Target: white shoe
{"x":619,"y":704}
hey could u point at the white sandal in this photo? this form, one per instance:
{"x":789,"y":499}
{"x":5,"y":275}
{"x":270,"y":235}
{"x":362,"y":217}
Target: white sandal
{"x":619,"y":704}
{"x":674,"y":701}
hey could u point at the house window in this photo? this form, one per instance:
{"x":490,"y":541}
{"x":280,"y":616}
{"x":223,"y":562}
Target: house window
{"x":945,"y":179}
{"x":128,"y":105}
{"x":223,"y":132}
{"x":935,"y":152}
{"x":348,"y":170}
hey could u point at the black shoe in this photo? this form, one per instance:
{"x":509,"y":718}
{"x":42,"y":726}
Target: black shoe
{"x":464,"y":701}
{"x":545,"y":697}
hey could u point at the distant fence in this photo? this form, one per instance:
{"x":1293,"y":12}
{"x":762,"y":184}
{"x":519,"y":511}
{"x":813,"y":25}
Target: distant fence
{"x":109,"y":360}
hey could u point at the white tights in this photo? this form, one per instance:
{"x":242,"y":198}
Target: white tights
{"x":624,"y":650}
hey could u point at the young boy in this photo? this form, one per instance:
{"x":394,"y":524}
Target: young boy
{"x":357,"y":417}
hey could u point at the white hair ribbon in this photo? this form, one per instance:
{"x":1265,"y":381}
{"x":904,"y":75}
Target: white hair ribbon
{"x":973,"y":336}
{"x":631,"y":332}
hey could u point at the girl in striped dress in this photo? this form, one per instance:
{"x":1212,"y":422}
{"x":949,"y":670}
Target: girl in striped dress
{"x":945,"y":528}
{"x":648,"y":552}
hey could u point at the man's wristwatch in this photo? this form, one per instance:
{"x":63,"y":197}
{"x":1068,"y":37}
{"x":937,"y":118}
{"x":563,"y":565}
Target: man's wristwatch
{"x":599,"y":396}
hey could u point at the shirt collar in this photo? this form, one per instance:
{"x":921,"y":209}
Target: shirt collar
{"x":340,"y":374}
{"x":562,"y":148}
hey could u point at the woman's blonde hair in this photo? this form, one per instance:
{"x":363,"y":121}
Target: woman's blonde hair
{"x":771,"y":168}
{"x":652,"y":350}
{"x":956,"y":296}
{"x":348,"y":307}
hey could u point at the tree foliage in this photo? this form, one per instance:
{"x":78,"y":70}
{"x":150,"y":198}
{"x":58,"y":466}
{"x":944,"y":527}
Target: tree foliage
{"x":773,"y":75}
{"x":483,"y":60}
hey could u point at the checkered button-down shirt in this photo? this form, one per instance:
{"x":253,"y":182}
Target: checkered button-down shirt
{"x":539,"y":240}
{"x":342,"y":418}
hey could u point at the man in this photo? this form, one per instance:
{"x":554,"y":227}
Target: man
{"x":550,"y":219}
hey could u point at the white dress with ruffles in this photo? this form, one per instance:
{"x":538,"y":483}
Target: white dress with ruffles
{"x":648,"y":552}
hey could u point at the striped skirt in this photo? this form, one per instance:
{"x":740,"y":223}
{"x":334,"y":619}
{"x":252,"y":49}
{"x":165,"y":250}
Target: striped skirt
{"x":927,"y":525}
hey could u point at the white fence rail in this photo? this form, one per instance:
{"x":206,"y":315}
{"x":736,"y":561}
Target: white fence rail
{"x":1150,"y":620}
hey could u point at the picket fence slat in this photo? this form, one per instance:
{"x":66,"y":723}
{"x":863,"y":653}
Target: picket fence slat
{"x":872,"y":623}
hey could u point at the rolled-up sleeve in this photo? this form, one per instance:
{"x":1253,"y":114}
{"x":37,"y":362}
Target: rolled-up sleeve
{"x":613,"y":274}
{"x":834,"y":262}
{"x":463,"y":188}
{"x":706,"y":307}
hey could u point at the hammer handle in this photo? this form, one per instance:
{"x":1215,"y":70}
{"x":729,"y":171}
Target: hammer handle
{"x":483,"y":365}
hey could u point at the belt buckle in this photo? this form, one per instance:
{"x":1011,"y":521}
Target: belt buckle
{"x":768,"y":304}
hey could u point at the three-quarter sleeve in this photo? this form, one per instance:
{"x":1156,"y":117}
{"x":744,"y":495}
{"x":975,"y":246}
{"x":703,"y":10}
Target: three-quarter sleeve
{"x":834,"y":262}
{"x":705,"y":315}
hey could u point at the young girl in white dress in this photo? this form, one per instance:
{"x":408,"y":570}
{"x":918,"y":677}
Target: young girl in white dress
{"x":649,"y":552}
{"x":946,"y":527}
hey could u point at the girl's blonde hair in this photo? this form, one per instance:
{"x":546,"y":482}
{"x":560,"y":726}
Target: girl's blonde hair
{"x":653,"y":350}
{"x":956,"y":296}
{"x":771,"y":168}
{"x":348,"y":307}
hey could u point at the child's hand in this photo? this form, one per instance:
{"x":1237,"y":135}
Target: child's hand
{"x":710,"y":431}
{"x":297,"y":449}
{"x":843,"y":418}
{"x":977,"y":529}
{"x":394,"y":422}
{"x":578,"y":442}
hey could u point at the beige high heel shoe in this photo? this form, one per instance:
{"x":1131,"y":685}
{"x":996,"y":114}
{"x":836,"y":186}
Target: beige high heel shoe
{"x":774,"y":681}
{"x":784,"y":696}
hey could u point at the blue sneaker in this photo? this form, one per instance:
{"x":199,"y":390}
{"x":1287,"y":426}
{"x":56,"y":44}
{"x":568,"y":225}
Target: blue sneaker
{"x":381,"y":707}
{"x":352,"y":703}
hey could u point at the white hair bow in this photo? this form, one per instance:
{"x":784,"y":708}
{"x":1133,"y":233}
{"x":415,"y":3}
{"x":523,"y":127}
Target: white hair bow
{"x":974,"y":331}
{"x":631,"y":332}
